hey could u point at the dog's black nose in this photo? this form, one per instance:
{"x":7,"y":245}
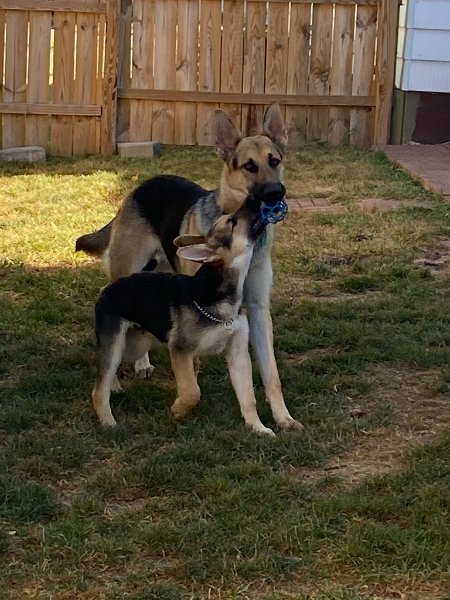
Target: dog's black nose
{"x":273,"y":192}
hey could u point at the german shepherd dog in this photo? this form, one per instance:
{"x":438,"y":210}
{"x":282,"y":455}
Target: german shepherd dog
{"x":141,"y":235}
{"x":195,"y":314}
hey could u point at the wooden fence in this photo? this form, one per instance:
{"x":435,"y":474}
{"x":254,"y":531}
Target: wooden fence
{"x":329,"y":63}
{"x":60,"y":64}
{"x":75,"y":71}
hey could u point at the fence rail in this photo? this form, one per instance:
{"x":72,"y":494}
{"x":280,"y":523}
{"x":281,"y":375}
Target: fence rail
{"x":77,"y":75}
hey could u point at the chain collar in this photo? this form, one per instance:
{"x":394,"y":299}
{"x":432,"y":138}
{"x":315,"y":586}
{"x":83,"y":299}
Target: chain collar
{"x":227,"y":323}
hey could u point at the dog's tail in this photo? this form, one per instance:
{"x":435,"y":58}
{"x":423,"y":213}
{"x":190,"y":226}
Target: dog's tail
{"x":95,"y":243}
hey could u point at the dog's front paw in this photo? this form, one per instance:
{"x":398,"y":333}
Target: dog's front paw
{"x":106,"y":418}
{"x":256,"y":426}
{"x":290,"y":424}
{"x":263,"y":429}
{"x":108,"y":422}
{"x":178,"y":410}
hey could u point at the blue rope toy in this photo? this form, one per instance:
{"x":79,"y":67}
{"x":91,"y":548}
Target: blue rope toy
{"x":273,"y":213}
{"x":270,"y":213}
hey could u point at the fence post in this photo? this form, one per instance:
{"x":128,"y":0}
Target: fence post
{"x":385,"y":69}
{"x":108,"y":119}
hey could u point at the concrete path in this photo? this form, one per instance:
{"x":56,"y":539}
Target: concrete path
{"x":430,"y":164}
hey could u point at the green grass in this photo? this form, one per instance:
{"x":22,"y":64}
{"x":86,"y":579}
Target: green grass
{"x":204,"y":508}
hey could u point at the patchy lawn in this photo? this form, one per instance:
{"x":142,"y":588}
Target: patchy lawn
{"x":356,"y":506}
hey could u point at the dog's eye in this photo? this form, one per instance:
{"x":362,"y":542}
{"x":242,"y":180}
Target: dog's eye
{"x":274,"y":162}
{"x":251,"y":167}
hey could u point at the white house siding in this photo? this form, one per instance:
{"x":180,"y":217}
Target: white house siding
{"x":423,"y":56}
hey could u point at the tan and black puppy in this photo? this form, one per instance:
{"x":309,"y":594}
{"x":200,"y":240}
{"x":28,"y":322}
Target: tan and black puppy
{"x":194,"y":314}
{"x":141,"y":235}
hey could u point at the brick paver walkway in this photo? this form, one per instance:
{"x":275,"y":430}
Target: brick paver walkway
{"x":428,"y":163}
{"x":324,"y":205}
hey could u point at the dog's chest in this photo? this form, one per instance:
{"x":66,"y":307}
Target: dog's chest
{"x":215,"y":339}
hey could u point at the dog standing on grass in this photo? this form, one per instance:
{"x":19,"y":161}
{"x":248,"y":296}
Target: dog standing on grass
{"x":195,"y":314}
{"x":141,"y":234}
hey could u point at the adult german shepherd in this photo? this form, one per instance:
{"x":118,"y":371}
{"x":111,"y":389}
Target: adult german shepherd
{"x":140,"y":237}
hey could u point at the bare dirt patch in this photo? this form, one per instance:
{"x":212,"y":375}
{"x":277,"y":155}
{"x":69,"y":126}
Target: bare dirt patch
{"x":397,"y":590}
{"x":419,"y":416}
{"x":437,"y":259}
{"x":296,"y":288}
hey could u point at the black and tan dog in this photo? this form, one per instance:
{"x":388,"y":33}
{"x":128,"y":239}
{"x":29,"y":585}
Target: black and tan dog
{"x":195,"y":314}
{"x":141,"y":235}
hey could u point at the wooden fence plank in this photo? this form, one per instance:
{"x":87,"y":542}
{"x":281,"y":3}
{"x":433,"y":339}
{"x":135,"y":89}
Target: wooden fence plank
{"x":232,"y":56}
{"x":298,"y":71}
{"x":186,"y":70}
{"x":363,"y":72}
{"x":124,"y":69}
{"x":108,"y":76}
{"x":84,"y":134}
{"x":61,"y":133}
{"x":37,"y":127}
{"x":13,"y":130}
{"x":165,"y":55}
{"x":209,"y":67}
{"x":254,"y":64}
{"x":277,"y":50}
{"x":101,"y":25}
{"x":341,"y":72}
{"x":385,"y":69}
{"x":319,"y":83}
{"x":140,"y":127}
{"x":2,"y":59}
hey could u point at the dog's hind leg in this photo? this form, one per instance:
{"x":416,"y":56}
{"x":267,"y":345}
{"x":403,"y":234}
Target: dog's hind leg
{"x":240,"y":368}
{"x":132,"y":247}
{"x":188,"y":392}
{"x":257,"y":298}
{"x":125,"y":258}
{"x":111,"y":346}
{"x":138,"y":343}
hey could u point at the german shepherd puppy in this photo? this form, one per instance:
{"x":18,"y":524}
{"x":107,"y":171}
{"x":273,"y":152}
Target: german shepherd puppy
{"x":195,"y":314}
{"x":141,"y":234}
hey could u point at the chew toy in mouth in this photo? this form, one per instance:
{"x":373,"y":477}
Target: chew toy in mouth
{"x":273,"y":213}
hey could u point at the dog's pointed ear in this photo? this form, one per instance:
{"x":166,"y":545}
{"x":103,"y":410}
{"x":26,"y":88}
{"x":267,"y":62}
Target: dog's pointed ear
{"x":274,"y":125}
{"x":188,"y":240}
{"x":200,"y":253}
{"x":227,"y":136}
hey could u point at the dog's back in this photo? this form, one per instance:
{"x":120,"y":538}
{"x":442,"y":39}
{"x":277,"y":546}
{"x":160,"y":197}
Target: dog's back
{"x":150,"y":300}
{"x":160,"y":205}
{"x":144,"y":299}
